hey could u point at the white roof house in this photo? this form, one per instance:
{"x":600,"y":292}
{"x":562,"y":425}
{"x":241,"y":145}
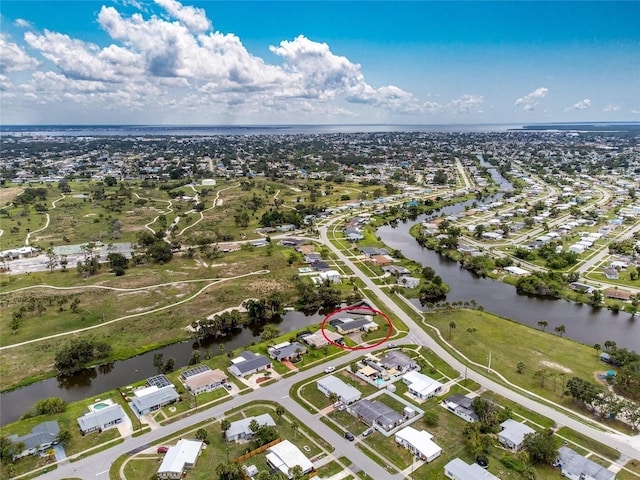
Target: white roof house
{"x":239,"y":429}
{"x":456,"y":469}
{"x":183,"y":455}
{"x":419,"y":442}
{"x":346,"y":393}
{"x":420,"y":385}
{"x":285,"y":455}
{"x":517,"y":271}
{"x":513,"y":433}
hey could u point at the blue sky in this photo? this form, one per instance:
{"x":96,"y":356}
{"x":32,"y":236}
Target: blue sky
{"x":261,"y":62}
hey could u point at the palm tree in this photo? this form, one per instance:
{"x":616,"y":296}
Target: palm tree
{"x":543,"y":324}
{"x":294,"y":428}
{"x":452,"y":326}
{"x":597,"y":347}
{"x":560,"y":329}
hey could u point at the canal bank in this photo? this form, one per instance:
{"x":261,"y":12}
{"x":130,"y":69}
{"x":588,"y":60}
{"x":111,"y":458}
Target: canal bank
{"x":96,"y":380}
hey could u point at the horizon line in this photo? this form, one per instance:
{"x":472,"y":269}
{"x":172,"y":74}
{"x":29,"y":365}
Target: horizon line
{"x":307,"y":124}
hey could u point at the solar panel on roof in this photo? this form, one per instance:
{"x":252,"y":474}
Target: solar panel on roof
{"x":159,"y":381}
{"x":194,"y":371}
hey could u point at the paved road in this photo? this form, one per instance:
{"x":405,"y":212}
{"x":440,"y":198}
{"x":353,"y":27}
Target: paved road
{"x":627,"y":445}
{"x":97,"y":466}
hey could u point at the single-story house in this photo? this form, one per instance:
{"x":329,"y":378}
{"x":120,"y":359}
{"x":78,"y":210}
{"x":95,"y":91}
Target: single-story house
{"x":513,"y":433}
{"x":419,"y":442}
{"x":346,"y":393}
{"x":41,"y":437}
{"x":491,"y":236}
{"x":319,"y":340}
{"x":456,"y":469}
{"x":305,"y":249}
{"x":320,"y":266}
{"x":372,"y":251}
{"x":331,"y":276}
{"x":381,"y":260}
{"x":99,"y":419}
{"x":200,"y":380}
{"x":409,"y":282}
{"x":396,"y":270}
{"x":396,"y":360}
{"x":248,"y":363}
{"x":152,"y":398}
{"x":183,"y":455}
{"x":517,"y":271}
{"x":617,"y":294}
{"x":287,"y":351}
{"x":376,"y":414}
{"x":349,"y":325}
{"x":461,"y":406}
{"x":576,"y":467}
{"x":239,"y":430}
{"x":312,"y":257}
{"x":611,"y":273}
{"x":420,"y":385}
{"x":285,"y":455}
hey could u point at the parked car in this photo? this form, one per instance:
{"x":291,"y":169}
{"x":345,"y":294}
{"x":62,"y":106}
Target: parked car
{"x":349,"y":436}
{"x":391,"y":345}
{"x":228,"y":386}
{"x":163,"y":449}
{"x":329,"y":369}
{"x":367,"y":432}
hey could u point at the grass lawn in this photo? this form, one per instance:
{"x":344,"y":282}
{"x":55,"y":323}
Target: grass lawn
{"x":510,"y":343}
{"x":329,"y":469}
{"x":392,"y":451}
{"x":533,"y":418}
{"x":634,"y":466}
{"x":589,"y":443}
{"x":348,"y":422}
{"x":314,"y":396}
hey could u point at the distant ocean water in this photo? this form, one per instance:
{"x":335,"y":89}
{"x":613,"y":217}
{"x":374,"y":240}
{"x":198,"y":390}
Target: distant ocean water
{"x":205,"y":130}
{"x":215,"y":130}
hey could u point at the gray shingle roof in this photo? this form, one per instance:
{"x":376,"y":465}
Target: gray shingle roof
{"x":41,"y":434}
{"x":251,"y":362}
{"x":99,"y":418}
{"x":576,"y":464}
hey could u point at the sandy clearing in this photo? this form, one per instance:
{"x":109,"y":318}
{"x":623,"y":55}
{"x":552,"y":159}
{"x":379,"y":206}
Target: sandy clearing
{"x":555,"y":366}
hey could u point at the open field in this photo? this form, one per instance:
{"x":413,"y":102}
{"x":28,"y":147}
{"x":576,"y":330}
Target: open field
{"x":511,"y":343}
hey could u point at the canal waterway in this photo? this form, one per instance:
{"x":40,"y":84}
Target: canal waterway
{"x":95,"y":381}
{"x":583,"y":323}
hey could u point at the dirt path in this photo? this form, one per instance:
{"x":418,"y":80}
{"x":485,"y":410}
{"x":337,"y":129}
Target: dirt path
{"x":125,"y":317}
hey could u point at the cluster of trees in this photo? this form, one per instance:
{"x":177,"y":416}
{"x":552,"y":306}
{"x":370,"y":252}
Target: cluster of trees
{"x":77,"y":354}
{"x":312,"y":298}
{"x":45,"y":406}
{"x":153,"y":248}
{"x":604,"y":401}
{"x":274,"y":217}
{"x":161,"y":365}
{"x":220,"y":325}
{"x":544,"y":284}
{"x":432,"y":288}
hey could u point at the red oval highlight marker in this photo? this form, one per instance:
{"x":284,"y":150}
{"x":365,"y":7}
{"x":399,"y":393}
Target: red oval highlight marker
{"x":348,"y":309}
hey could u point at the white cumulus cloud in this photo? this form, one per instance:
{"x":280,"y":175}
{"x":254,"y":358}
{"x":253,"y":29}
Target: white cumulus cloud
{"x":13,"y":58}
{"x":611,"y":108}
{"x":531,"y":100}
{"x":581,"y":105}
{"x":195,"y":19}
